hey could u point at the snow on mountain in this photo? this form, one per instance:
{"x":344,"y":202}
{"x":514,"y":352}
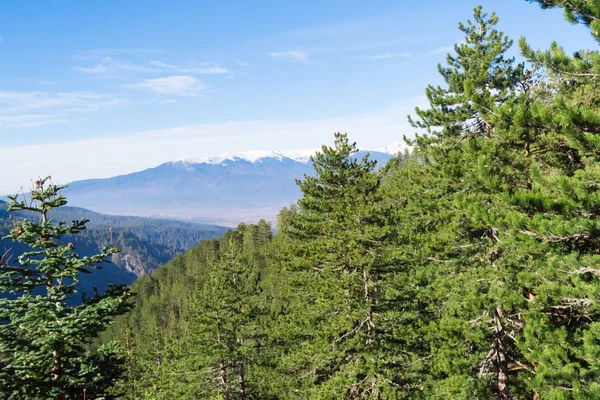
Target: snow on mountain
{"x":224,"y":189}
{"x":392,"y":148}
{"x":250,"y":156}
{"x":254,"y":156}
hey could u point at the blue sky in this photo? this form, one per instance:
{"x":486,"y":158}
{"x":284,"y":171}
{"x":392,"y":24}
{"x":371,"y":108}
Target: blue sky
{"x":95,"y":89}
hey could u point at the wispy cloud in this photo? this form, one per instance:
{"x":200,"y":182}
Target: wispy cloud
{"x":444,"y":49}
{"x":409,"y":55}
{"x":29,"y":109}
{"x":182,"y":85}
{"x":45,"y":82}
{"x":30,"y":120}
{"x":108,"y":65}
{"x":94,"y":53}
{"x":242,"y":63}
{"x":97,"y":69}
{"x":294,"y":55}
{"x":76,"y":101}
{"x":203,"y":68}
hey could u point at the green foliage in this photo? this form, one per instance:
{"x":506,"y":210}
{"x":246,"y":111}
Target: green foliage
{"x":196,"y":328}
{"x":336,"y":280}
{"x":43,"y":337}
{"x":467,"y":268}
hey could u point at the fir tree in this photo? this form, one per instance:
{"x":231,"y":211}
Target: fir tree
{"x":43,"y":338}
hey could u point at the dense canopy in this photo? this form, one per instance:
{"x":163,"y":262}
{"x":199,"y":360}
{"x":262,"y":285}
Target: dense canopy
{"x":468,"y":267}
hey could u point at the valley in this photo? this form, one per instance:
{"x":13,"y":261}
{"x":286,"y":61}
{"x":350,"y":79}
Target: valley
{"x":145,"y":243}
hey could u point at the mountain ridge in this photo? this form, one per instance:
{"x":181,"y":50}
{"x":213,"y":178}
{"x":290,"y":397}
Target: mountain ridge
{"x":300,"y":155}
{"x":222,"y":190}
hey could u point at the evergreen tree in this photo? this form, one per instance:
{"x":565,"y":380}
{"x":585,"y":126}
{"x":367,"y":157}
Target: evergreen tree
{"x":227,"y":311}
{"x":42,"y":339}
{"x":336,"y":235}
{"x":472,"y":292}
{"x":197,"y":328}
{"x":515,"y":232}
{"x":561,"y":221}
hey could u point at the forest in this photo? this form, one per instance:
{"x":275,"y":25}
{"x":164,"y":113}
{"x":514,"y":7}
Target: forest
{"x":468,"y":267}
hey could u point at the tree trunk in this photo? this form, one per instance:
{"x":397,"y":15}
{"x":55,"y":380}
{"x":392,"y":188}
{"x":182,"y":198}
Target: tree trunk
{"x":242,"y":382}
{"x":223,"y":377}
{"x":57,"y":369}
{"x":368,"y":305}
{"x":501,"y":359}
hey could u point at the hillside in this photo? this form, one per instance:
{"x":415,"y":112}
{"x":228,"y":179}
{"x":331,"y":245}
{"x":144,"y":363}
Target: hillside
{"x":145,"y":243}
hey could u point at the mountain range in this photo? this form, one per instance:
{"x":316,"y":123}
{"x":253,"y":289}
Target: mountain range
{"x":224,"y":190}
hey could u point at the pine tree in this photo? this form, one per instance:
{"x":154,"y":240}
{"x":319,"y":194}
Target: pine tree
{"x":226,"y":317}
{"x":336,"y":235}
{"x":43,"y":337}
{"x":196,"y":330}
{"x":469,"y":166}
{"x":559,"y":218}
{"x":515,"y":234}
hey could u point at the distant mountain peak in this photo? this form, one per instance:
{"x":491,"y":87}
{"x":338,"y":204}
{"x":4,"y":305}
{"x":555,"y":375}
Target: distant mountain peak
{"x":256,"y":156}
{"x":253,"y":156}
{"x":392,"y":148}
{"x":224,"y":189}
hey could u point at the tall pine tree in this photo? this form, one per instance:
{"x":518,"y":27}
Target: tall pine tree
{"x":337,"y":234}
{"x":472,"y":295}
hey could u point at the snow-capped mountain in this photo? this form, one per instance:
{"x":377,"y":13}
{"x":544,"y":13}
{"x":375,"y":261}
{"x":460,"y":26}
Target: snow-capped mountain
{"x":251,"y":156}
{"x":392,"y":148}
{"x":224,"y":189}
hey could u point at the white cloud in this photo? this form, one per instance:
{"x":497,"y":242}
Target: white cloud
{"x":385,"y":56}
{"x":111,"y":63}
{"x":72,"y":101}
{"x":29,"y":109}
{"x":94,"y":53}
{"x":133,"y":152}
{"x":181,"y":85}
{"x":30,"y":120}
{"x":203,"y":69}
{"x":242,"y":63}
{"x":444,"y":49}
{"x":107,"y":65}
{"x":97,"y":69}
{"x":295,"y":55}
